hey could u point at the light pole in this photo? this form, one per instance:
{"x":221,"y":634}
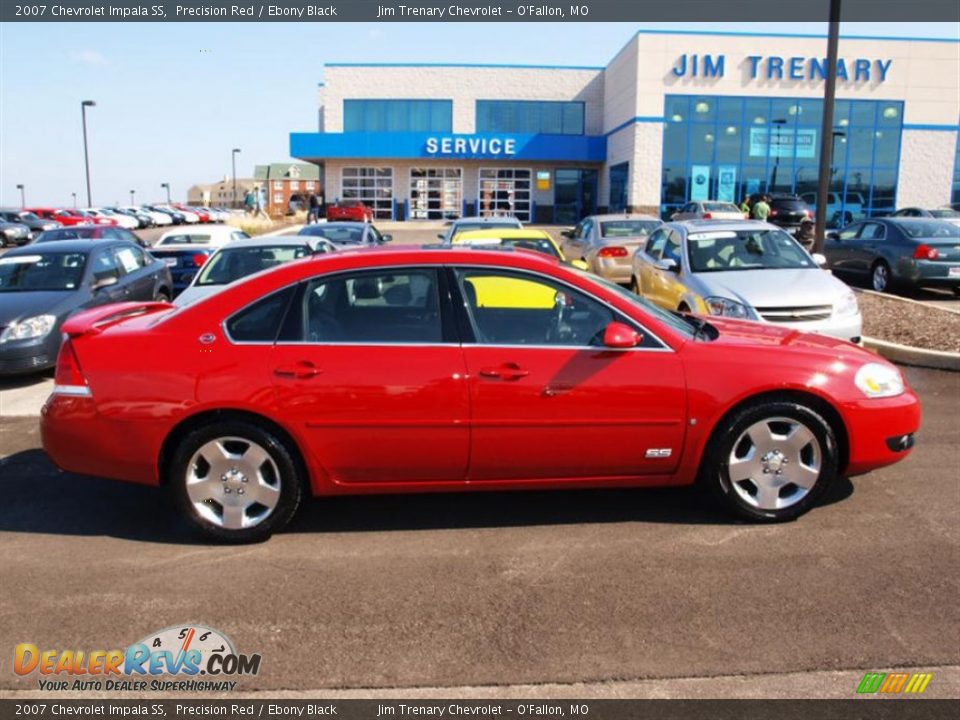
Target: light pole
{"x":23,"y":202}
{"x":132,"y":193}
{"x":74,"y":200}
{"x":233,"y":161}
{"x":167,"y":186}
{"x":826,"y":127}
{"x":86,"y":154}
{"x":779,"y":122}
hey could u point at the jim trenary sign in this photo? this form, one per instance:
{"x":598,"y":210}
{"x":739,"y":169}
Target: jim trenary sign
{"x":775,"y":67}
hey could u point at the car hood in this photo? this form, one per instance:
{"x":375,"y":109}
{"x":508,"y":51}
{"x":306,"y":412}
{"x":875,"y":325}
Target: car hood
{"x":195,"y":292}
{"x":774,"y":288}
{"x":746,"y":334}
{"x":15,"y":306}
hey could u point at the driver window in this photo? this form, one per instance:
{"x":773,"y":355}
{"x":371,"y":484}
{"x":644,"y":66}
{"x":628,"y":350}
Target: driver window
{"x":655,"y":244}
{"x":510,"y":308}
{"x":671,"y":251}
{"x":105,"y":265}
{"x":849,"y":233}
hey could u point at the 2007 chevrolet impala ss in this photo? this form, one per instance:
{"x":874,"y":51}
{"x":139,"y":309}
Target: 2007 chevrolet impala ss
{"x":410,"y":370}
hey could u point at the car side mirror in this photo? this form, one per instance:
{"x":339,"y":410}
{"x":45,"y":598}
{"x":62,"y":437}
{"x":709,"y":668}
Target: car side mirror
{"x":820,"y":259}
{"x":580,"y":265}
{"x":619,"y":336}
{"x":567,"y":233}
{"x":386,"y":238}
{"x":833,"y":235}
{"x":101,"y":282}
{"x":668,"y":264}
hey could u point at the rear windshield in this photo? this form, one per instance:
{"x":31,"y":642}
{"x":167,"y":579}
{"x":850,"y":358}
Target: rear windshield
{"x":945,"y":213}
{"x":536,"y":245}
{"x":628,"y":228}
{"x":930,"y":229}
{"x":71,"y":233}
{"x":339,"y":234}
{"x":234,"y":263}
{"x":47,"y":271}
{"x":187,"y":239}
{"x":467,"y":226}
{"x":789,"y":203}
{"x":721,"y":207}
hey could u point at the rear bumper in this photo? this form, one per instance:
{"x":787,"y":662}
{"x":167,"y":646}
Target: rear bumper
{"x":929,"y":272}
{"x":618,"y":270}
{"x":876,"y":431}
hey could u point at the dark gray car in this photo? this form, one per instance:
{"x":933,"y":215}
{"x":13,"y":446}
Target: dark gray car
{"x":13,"y":234}
{"x":895,"y":252}
{"x":42,"y":285}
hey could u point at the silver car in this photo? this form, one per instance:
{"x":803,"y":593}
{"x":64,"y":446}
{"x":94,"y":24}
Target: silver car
{"x":747,"y":270}
{"x":606,"y":243}
{"x":479,"y":223}
{"x":708,"y":210}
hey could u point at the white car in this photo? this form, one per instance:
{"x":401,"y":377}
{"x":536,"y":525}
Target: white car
{"x":124,"y":221}
{"x":239,"y":259}
{"x":190,"y":217}
{"x":708,"y":210}
{"x":160,"y":219}
{"x":479,"y":223}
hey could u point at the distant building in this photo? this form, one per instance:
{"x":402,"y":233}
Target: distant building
{"x":288,"y":185}
{"x":220,"y":193}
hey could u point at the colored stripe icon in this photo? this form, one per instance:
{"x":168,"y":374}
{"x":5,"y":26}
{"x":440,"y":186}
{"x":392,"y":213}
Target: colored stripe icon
{"x":894,"y":683}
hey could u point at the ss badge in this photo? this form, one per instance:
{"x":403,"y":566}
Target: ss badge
{"x":659,"y":452}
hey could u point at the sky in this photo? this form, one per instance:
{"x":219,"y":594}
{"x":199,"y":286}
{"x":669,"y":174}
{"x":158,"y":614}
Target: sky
{"x":173,"y":99}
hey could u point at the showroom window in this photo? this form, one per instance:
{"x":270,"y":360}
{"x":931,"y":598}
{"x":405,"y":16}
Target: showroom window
{"x":619,"y":175}
{"x":728,"y":148}
{"x":955,"y":195}
{"x":372,"y":186}
{"x":530,"y":116}
{"x":505,"y":191}
{"x":397,"y":115}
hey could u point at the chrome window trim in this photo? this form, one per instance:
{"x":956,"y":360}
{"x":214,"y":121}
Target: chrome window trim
{"x":665,"y":347}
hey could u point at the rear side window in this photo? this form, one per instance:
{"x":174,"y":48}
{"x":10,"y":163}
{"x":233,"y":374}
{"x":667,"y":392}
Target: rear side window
{"x":261,"y":321}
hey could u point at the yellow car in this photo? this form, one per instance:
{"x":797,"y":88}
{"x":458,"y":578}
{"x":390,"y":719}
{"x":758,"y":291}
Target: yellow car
{"x":501,"y":292}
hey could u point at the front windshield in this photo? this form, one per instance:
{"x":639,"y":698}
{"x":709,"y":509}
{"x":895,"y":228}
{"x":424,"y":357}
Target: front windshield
{"x":340,"y":234}
{"x":540,"y":245}
{"x":186,"y":239}
{"x":667,"y":318}
{"x":933,"y":229}
{"x":628,"y":228}
{"x":27,"y":216}
{"x":73,"y":233}
{"x":42,"y":272}
{"x":234,"y":263}
{"x":729,"y":250}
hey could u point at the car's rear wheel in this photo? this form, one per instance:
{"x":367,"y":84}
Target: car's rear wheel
{"x":236,"y":481}
{"x":880,"y":277}
{"x":771,"y":461}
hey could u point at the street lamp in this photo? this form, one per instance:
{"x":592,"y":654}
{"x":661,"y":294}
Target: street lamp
{"x":132,"y":192}
{"x":86,"y":154}
{"x":23,"y":203}
{"x":74,"y":200}
{"x":233,"y":160}
{"x":167,"y":186}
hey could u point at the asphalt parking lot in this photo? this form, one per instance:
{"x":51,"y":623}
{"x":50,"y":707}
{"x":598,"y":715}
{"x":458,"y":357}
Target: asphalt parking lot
{"x":568,"y":593}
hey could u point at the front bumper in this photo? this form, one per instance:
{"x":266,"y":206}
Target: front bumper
{"x":21,"y":357}
{"x":843,"y":327}
{"x":876,"y":429}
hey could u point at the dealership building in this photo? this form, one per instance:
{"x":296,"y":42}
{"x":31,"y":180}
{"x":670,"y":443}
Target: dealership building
{"x":673,"y":117}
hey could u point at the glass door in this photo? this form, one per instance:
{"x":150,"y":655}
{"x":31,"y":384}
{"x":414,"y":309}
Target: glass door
{"x":574,"y":195}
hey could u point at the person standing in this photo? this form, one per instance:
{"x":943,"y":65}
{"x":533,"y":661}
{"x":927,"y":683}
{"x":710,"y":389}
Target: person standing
{"x":313,"y":204}
{"x":261,"y":203}
{"x":745,"y":207}
{"x":761,"y":209}
{"x":248,"y":203}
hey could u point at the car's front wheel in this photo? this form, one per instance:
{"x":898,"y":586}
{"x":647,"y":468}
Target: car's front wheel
{"x":770,"y":461}
{"x":235,"y":480}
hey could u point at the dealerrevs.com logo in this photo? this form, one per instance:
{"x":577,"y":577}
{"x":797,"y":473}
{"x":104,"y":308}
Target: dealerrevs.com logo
{"x":175,"y":659}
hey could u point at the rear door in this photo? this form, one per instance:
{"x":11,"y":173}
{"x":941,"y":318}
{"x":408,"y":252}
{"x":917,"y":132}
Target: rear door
{"x":138,"y":278}
{"x":549,"y":400}
{"x":369,"y":371}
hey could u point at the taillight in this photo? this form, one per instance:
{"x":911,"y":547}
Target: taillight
{"x":69,"y":379}
{"x":199,"y":259}
{"x":773,"y":213}
{"x":612,"y":252}
{"x":708,"y":216}
{"x":925,"y":252}
{"x":809,"y":213}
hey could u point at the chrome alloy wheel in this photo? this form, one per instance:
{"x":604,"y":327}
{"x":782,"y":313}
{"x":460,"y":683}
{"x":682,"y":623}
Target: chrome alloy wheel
{"x":881,"y":278}
{"x":233,"y":483}
{"x":775,"y":463}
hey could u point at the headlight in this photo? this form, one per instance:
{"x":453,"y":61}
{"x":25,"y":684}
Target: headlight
{"x":726,"y":308}
{"x":879,"y":381}
{"x":29,"y":329}
{"x":847,"y":305}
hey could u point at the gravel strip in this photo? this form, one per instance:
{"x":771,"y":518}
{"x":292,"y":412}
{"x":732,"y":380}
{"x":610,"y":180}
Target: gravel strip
{"x":906,"y":323}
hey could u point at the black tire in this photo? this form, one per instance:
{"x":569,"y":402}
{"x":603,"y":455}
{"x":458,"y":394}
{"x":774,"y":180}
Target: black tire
{"x":878,"y":273}
{"x":289,"y":479}
{"x":715,"y":472}
{"x":163,"y":295}
{"x":683,"y":308}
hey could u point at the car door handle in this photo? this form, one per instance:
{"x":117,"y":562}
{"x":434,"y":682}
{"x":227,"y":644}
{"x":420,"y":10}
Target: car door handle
{"x":507,"y":371}
{"x":302,"y":370}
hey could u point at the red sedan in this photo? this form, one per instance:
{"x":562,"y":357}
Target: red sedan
{"x":355,"y":211}
{"x":69,"y":218}
{"x":414,"y":370}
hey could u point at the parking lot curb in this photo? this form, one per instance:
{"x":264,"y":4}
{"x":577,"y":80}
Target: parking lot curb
{"x":909,"y":355}
{"x":888,"y":296}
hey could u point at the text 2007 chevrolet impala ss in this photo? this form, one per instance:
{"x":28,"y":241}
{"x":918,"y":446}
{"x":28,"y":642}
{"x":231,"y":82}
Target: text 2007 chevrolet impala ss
{"x":438,"y":369}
